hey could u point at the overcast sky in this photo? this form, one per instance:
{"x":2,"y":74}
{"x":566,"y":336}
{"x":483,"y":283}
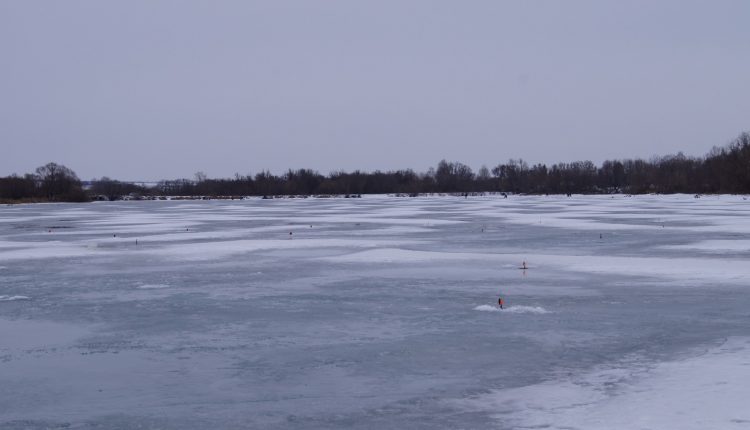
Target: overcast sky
{"x":146,"y":90}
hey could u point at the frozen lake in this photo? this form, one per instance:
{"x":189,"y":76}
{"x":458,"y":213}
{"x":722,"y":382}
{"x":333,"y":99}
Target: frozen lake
{"x":377,"y":312}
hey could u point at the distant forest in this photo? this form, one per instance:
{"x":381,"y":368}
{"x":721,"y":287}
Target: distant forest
{"x":723,"y":170}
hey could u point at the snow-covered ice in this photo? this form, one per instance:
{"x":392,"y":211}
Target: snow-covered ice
{"x":11,"y":298}
{"x":377,"y":312}
{"x":706,"y":390}
{"x":512,"y":309}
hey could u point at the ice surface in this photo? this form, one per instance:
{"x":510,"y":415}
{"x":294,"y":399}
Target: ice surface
{"x":36,"y":335}
{"x":714,"y":246}
{"x":376,"y":313}
{"x":688,"y":270}
{"x":396,"y":255}
{"x":152,"y":286}
{"x":705,"y":391}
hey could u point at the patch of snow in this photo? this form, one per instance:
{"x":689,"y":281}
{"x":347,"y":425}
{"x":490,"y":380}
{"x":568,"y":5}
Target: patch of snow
{"x":152,"y":286}
{"x":706,"y":391}
{"x":513,"y":309}
{"x":13,"y":298}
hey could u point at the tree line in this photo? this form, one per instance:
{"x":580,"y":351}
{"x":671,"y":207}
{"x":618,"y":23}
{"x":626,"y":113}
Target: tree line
{"x":723,"y":170}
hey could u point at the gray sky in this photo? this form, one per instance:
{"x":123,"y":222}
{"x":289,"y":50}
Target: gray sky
{"x":161,"y":89}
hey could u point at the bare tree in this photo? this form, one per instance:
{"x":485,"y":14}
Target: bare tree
{"x":57,"y":182}
{"x":200,"y":176}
